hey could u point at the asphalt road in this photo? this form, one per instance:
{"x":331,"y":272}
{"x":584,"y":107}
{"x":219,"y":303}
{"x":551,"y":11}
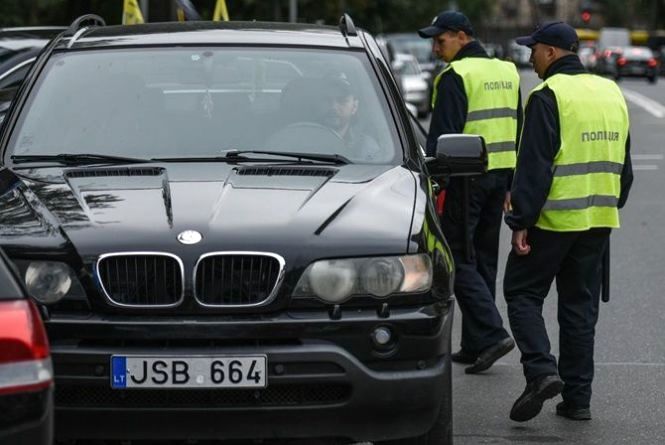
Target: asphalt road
{"x":628,"y":404}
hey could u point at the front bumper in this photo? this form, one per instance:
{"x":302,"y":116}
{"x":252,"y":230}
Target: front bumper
{"x":325,"y":377}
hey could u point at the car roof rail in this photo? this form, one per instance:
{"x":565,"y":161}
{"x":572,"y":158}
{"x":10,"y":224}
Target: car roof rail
{"x":76,"y":24}
{"x":346,"y":26}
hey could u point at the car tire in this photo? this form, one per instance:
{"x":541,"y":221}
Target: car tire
{"x":441,"y":433}
{"x":653,"y":79}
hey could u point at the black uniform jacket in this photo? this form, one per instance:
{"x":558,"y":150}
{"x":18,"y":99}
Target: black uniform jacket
{"x":450,"y":109}
{"x":539,"y":145}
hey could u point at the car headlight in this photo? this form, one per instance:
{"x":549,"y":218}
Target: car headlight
{"x":50,"y":281}
{"x":335,"y":281}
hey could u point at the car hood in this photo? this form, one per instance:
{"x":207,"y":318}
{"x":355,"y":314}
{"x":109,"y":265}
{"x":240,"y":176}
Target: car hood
{"x":291,"y":210}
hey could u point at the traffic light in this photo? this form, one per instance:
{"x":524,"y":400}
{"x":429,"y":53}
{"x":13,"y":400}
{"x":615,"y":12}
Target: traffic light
{"x":586,"y":15}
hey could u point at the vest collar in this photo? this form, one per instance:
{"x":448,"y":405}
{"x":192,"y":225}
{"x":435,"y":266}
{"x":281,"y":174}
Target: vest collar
{"x":566,"y":65}
{"x":471,"y":49}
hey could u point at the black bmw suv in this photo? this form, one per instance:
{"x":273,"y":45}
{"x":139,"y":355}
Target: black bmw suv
{"x":231,"y":230}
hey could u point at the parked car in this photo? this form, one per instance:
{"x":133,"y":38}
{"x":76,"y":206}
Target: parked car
{"x":26,"y":373}
{"x":587,"y":54}
{"x":218,"y":256}
{"x":421,"y":49}
{"x":637,"y":61}
{"x":414,"y":83}
{"x":520,"y":55}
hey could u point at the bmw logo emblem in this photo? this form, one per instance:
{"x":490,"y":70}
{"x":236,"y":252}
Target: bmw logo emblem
{"x":190,"y":237}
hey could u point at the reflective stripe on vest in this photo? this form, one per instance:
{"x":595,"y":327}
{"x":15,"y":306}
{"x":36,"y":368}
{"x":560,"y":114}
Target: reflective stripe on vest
{"x":587,"y":169}
{"x":492,"y":89}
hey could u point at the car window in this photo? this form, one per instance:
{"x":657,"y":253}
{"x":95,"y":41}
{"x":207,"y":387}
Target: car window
{"x":184,"y":102}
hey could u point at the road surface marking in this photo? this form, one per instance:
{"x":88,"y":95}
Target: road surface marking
{"x":646,"y":157}
{"x":649,"y":105}
{"x":645,"y":167}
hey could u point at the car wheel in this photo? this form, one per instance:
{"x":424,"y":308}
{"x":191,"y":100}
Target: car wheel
{"x":441,"y":432}
{"x":653,"y":79}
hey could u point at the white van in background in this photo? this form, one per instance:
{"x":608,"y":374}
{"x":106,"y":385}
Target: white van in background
{"x":613,"y":37}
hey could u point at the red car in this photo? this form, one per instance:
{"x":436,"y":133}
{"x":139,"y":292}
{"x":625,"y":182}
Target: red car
{"x":26,"y":374}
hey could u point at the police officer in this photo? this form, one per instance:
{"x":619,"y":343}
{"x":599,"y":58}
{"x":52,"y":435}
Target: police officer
{"x":475,"y":94}
{"x":573,"y":173}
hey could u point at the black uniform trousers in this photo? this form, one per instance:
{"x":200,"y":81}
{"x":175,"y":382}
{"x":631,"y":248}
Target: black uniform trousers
{"x":475,"y":277}
{"x":575,"y":260}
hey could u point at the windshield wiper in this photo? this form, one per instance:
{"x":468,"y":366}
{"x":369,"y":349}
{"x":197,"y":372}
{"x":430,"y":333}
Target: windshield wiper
{"x":333,"y":159}
{"x":78,"y":159}
{"x":232,"y":156}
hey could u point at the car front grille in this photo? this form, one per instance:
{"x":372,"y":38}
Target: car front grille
{"x":100,"y":397}
{"x":232,"y":279}
{"x":141,"y":279}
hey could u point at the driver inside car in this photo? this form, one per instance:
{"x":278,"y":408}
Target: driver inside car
{"x":340,"y":114}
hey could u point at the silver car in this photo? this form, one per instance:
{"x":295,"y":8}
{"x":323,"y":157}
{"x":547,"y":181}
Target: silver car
{"x":413,"y":82}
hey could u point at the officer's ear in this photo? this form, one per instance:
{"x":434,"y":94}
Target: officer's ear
{"x":463,"y":37}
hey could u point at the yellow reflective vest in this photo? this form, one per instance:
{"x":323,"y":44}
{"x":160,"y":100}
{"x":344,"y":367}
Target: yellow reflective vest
{"x":492,"y":92}
{"x":593,"y":121}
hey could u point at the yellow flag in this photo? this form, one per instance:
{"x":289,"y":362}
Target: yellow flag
{"x":131,"y":13}
{"x":220,"y":11}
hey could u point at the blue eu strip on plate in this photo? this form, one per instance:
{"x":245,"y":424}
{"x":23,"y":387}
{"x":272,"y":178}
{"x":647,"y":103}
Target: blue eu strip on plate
{"x":118,"y":372}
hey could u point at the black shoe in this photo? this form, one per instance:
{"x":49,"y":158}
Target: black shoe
{"x":573,"y":413}
{"x":463,"y":357}
{"x":529,"y":404}
{"x":489,"y":355}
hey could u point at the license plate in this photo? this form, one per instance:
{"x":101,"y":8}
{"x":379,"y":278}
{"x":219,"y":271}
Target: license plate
{"x":247,"y":371}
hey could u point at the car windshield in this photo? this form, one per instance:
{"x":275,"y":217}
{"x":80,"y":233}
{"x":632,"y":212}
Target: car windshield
{"x":203,"y":102}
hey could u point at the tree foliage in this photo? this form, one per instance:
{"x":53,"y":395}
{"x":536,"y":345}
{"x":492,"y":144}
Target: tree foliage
{"x":374,"y":15}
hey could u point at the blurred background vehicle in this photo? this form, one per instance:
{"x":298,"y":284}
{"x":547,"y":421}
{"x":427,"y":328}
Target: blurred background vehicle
{"x":587,"y":54}
{"x":613,"y":37}
{"x":606,"y":60}
{"x":413,"y":82}
{"x":637,"y":61}
{"x":26,"y":374}
{"x":493,"y":49}
{"x":421,"y":49}
{"x":519,"y":54}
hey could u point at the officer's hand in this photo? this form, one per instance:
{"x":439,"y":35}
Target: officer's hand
{"x":507,"y":207}
{"x":520,"y":246}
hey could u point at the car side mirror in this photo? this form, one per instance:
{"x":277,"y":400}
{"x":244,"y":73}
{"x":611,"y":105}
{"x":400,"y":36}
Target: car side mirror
{"x":459,"y":155}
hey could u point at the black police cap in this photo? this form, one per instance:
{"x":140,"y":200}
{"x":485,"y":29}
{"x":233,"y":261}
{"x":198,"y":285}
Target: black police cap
{"x":557,"y":34}
{"x":447,"y":21}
